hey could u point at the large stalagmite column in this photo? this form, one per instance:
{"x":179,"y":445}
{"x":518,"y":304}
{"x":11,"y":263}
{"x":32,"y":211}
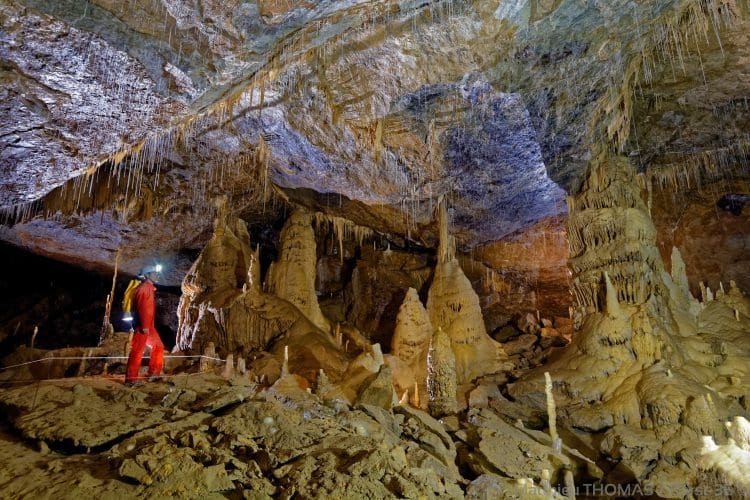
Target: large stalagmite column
{"x":453,"y":305}
{"x":610,"y":229}
{"x":634,"y":318}
{"x":292,"y":277}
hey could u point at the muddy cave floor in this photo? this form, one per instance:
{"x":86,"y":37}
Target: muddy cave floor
{"x":213,"y":434}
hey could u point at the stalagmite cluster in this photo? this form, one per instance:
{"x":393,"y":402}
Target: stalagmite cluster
{"x":214,"y":279}
{"x":650,"y":367}
{"x":223,"y":302}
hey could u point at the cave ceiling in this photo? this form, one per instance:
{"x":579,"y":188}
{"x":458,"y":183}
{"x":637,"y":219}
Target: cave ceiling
{"x":123,"y":120}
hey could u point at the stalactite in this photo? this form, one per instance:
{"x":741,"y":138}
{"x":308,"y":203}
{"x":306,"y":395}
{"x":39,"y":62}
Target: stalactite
{"x":343,"y":229}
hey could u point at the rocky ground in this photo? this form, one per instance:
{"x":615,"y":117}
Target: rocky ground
{"x":202,"y":436}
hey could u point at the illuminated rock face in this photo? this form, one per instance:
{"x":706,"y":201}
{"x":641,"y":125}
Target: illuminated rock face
{"x":292,"y":276}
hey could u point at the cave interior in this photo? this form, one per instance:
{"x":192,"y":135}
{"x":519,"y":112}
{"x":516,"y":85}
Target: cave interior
{"x":407,"y":249}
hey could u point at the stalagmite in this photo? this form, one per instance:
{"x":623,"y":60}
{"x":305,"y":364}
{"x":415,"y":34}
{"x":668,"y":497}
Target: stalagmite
{"x":453,"y":306}
{"x":411,"y":341}
{"x":338,"y":335}
{"x":219,"y":274}
{"x":33,"y":336}
{"x":551,"y":412}
{"x":545,"y":483}
{"x":570,"y":485}
{"x":206,"y":361}
{"x":441,"y":376}
{"x":609,"y":229}
{"x":285,"y":363}
{"x":84,"y":363}
{"x":292,"y":276}
{"x":241,"y":368}
{"x":704,"y":292}
{"x":404,"y":398}
{"x":228,"y":371}
{"x":415,"y":401}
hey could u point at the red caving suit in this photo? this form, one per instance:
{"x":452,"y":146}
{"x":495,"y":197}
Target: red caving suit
{"x":145,"y":307}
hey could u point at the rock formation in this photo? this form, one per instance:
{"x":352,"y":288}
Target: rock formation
{"x":441,"y":376}
{"x":121,"y":123}
{"x":223,"y":304}
{"x":731,"y":461}
{"x":644,"y":362}
{"x":292,"y":276}
{"x":216,"y":277}
{"x":453,"y":306}
{"x":411,"y":341}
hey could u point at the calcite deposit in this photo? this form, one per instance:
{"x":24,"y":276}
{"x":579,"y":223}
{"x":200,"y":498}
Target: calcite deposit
{"x":453,"y":306}
{"x":433,"y":249}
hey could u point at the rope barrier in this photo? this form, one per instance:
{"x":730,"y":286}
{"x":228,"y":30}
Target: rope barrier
{"x":70,"y":358}
{"x":88,"y":377}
